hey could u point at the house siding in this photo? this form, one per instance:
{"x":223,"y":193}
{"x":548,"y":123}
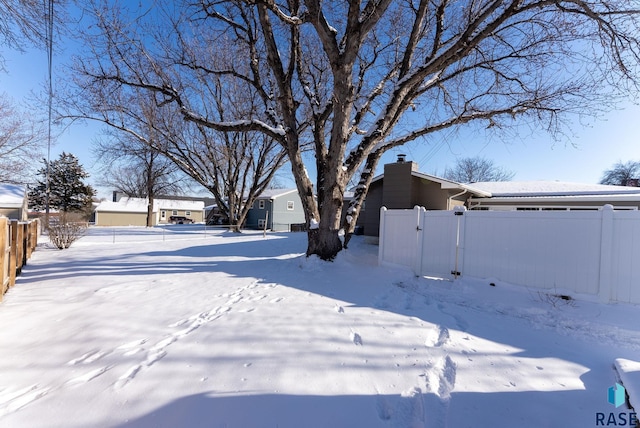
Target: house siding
{"x":400,"y":189}
{"x":256,"y":213}
{"x":121,"y":219}
{"x":14,"y":213}
{"x":196,"y":216}
{"x":372,"y":206}
{"x":281,"y":218}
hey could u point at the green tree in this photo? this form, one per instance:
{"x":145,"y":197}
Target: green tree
{"x":67,"y":189}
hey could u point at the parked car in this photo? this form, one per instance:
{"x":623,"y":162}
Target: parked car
{"x":178,"y":219}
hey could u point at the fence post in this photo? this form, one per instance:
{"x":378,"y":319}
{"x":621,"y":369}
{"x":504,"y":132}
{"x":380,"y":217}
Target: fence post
{"x":13,"y":254}
{"x":606,"y":256}
{"x":417,"y":263}
{"x":5,"y":243}
{"x":30,"y":237}
{"x":459,"y":212}
{"x":383,"y":211}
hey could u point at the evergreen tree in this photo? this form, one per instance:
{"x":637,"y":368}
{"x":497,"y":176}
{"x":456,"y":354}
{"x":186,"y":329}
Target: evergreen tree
{"x":68,"y":192}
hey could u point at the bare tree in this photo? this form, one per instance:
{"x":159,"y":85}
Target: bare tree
{"x":355,"y":79}
{"x":21,"y":20}
{"x":135,"y":168}
{"x":622,"y":174}
{"x":21,"y":141}
{"x":236,"y":167}
{"x":476,"y":169}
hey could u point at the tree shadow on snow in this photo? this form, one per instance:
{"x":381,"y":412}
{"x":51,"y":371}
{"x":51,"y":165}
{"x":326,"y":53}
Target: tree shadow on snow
{"x":343,"y":283}
{"x":364,"y":411}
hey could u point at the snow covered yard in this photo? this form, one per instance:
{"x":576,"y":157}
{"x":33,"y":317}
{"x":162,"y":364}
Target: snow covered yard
{"x":167,"y":327}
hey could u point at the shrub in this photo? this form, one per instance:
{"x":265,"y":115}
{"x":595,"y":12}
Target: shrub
{"x":63,"y":234}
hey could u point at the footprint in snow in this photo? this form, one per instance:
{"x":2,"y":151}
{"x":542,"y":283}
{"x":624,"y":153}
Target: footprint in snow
{"x":356,"y":338}
{"x":276,"y":300}
{"x":13,"y":401}
{"x":339,"y":309}
{"x":437,"y":337}
{"x":88,"y":358}
{"x":89,"y":376}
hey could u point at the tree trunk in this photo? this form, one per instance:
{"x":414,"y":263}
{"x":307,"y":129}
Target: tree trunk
{"x":150,"y":212}
{"x":325,"y":243}
{"x":355,"y":206}
{"x":324,"y":240}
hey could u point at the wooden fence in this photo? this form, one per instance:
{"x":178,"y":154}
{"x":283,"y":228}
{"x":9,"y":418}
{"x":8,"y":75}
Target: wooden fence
{"x":17,"y":241}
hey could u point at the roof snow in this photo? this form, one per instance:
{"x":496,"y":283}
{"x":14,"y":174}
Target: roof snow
{"x":274,"y":193}
{"x":550,"y":188}
{"x":12,"y":195}
{"x":139,"y":205}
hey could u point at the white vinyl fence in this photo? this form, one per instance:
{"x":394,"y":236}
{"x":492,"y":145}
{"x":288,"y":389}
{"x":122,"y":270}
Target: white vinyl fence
{"x":584,"y":252}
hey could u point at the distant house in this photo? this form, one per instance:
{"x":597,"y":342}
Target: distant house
{"x":133,"y":211}
{"x":284,"y":209}
{"x":193,"y":210}
{"x":13,"y":201}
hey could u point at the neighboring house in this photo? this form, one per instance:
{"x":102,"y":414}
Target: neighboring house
{"x":13,"y":201}
{"x":133,"y":211}
{"x":402,"y":186}
{"x":284,"y":209}
{"x":193,"y":210}
{"x":552,"y":195}
{"x":125,"y":212}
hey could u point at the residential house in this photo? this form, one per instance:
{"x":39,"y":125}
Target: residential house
{"x":13,"y":201}
{"x":280,"y":209}
{"x":133,"y":211}
{"x":191,"y":209}
{"x":402,"y":186}
{"x":552,"y":195}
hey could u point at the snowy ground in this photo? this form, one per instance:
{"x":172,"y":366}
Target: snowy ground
{"x":170,"y":327}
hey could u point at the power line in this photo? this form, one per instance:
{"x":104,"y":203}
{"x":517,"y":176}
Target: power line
{"x":49,"y":37}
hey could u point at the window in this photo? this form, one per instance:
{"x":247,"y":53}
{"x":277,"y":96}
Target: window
{"x":174,"y":212}
{"x":261,"y":204}
{"x":187,"y":213}
{"x":290,"y":205}
{"x":261,"y":223}
{"x":163,"y":214}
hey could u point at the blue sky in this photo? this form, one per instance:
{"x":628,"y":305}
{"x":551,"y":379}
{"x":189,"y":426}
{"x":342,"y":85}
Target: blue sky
{"x":581,"y":156}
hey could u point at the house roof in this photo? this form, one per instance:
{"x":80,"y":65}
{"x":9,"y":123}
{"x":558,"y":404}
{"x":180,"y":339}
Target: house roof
{"x":275,"y":193}
{"x":12,"y":195}
{"x":139,"y":205}
{"x":504,"y":189}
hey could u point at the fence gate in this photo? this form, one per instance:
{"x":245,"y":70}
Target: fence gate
{"x":442,"y":249}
